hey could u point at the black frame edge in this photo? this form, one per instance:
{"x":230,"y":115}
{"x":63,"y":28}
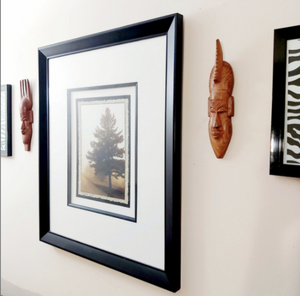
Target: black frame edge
{"x":173,"y":159}
{"x":44,"y":204}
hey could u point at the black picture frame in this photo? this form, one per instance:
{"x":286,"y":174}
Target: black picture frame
{"x":172,"y":28}
{"x":6,"y":121}
{"x":281,"y":103}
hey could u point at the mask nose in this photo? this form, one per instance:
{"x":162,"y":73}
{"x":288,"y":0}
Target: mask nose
{"x":216,"y":120}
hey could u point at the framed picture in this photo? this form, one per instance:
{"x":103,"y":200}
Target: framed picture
{"x":110,"y":148}
{"x":6,"y":145}
{"x":102,"y":126}
{"x":285,"y":127}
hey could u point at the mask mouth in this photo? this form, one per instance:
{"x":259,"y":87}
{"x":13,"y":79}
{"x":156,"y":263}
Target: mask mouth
{"x":216,"y":133}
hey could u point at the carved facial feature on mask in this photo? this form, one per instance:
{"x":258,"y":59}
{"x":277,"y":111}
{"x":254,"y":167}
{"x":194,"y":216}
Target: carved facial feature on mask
{"x":220,"y":105}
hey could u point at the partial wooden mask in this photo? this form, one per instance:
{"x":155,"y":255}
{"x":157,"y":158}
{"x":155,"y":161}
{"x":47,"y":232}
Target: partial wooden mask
{"x":26,"y":114}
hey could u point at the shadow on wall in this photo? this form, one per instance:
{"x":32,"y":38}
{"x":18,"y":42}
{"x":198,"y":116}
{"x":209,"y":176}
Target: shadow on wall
{"x":8,"y":289}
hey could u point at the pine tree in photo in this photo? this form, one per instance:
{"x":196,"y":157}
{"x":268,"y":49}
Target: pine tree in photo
{"x":106,"y":156}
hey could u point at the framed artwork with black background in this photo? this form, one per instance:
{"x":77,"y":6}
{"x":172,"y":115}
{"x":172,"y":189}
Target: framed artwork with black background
{"x":110,"y":148}
{"x":6,"y":128}
{"x":285,"y":126}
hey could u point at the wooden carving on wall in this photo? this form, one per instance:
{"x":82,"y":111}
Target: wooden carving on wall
{"x":26,"y":114}
{"x":220,"y":104}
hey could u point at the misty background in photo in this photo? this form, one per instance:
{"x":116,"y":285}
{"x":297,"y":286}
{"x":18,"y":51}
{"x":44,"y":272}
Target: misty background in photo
{"x":102,"y":125}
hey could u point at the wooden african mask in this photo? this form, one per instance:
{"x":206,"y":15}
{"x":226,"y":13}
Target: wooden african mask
{"x":26,"y":114}
{"x":220,"y":104}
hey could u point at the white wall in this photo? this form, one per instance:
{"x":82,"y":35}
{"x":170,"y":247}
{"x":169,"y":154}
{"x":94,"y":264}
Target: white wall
{"x":240,"y":226}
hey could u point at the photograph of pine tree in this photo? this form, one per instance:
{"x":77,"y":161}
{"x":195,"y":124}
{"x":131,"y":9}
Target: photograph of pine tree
{"x":103,"y":152}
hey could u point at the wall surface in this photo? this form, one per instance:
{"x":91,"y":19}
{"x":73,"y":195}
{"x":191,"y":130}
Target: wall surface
{"x":240,"y":226}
